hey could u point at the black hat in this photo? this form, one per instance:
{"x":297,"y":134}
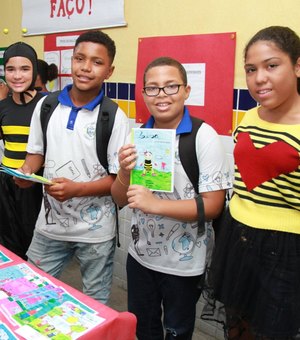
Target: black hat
{"x":21,"y":49}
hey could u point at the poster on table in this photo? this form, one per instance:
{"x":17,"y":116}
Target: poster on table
{"x":209,"y":61}
{"x":51,"y":16}
{"x":36,"y":308}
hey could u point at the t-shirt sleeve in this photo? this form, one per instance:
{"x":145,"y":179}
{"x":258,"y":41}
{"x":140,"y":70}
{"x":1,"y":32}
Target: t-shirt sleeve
{"x":213,"y":162}
{"x":35,"y":140}
{"x":117,"y":139}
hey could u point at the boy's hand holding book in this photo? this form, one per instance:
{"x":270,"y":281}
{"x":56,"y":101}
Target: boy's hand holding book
{"x":23,"y":176}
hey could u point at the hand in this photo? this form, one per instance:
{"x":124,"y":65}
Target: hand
{"x":142,"y":198}
{"x":127,"y":158}
{"x":62,"y":189}
{"x":23,"y":183}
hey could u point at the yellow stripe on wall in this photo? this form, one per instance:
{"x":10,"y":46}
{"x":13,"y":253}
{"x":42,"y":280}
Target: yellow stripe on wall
{"x":123,"y":104}
{"x":132,"y":109}
{"x":237,"y":117}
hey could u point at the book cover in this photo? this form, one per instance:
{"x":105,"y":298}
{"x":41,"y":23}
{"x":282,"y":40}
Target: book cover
{"x":155,"y":158}
{"x":19,"y":174}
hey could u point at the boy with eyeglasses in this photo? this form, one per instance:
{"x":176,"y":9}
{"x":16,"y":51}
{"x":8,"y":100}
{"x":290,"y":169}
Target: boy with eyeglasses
{"x":168,"y":273}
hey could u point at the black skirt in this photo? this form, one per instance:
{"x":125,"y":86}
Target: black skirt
{"x":19,"y":209}
{"x":255,"y":276}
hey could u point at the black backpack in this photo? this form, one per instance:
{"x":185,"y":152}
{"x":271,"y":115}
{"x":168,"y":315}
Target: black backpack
{"x":104,"y":126}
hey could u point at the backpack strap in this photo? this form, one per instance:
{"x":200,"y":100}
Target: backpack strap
{"x":104,"y":126}
{"x":187,"y":153}
{"x":48,"y":106}
{"x":189,"y":161}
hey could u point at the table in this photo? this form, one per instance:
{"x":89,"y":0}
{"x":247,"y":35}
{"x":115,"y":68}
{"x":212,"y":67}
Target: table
{"x":117,"y":325}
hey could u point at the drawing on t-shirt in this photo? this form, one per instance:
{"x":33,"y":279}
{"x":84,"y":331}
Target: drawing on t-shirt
{"x":135,"y":234}
{"x":68,"y":170}
{"x":184,"y":245}
{"x":92,"y":214}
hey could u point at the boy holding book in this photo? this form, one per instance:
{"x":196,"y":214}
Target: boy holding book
{"x":167,"y":256}
{"x":78,"y":217}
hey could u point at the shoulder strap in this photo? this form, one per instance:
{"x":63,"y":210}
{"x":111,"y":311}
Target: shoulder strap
{"x":47,"y":108}
{"x":187,"y":153}
{"x":189,"y":161}
{"x":104,"y":126}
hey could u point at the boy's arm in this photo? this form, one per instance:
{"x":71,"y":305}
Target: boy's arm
{"x":32,"y":163}
{"x":64,"y":189}
{"x":120,"y":187}
{"x":184,"y":210}
{"x":127,"y":161}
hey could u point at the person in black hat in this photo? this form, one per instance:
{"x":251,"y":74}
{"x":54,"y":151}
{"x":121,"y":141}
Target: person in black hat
{"x":19,"y":208}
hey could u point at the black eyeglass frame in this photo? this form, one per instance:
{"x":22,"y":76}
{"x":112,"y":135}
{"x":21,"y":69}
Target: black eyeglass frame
{"x":162,"y":89}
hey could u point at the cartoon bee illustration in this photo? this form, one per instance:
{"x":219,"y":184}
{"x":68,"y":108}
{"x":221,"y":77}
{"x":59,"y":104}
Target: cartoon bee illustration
{"x":148,"y":166}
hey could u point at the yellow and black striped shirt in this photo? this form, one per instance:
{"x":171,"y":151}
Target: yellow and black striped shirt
{"x":267,"y":174}
{"x":15,"y":123}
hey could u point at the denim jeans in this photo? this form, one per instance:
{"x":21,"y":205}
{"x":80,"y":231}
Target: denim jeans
{"x":152,"y":294}
{"x":95,"y":260}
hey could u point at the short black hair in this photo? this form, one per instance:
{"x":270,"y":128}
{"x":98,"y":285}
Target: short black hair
{"x":162,"y":61}
{"x":98,"y":37}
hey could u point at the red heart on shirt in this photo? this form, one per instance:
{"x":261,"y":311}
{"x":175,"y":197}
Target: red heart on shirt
{"x":257,"y":166}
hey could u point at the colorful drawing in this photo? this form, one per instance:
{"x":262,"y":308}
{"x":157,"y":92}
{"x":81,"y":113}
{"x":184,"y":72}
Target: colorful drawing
{"x":155,"y":162}
{"x":36,"y":305}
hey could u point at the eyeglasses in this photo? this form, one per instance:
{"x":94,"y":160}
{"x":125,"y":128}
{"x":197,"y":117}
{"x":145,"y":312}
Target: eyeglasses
{"x":153,"y":91}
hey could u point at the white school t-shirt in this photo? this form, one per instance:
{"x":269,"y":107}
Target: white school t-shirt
{"x":72,"y":154}
{"x":170,"y":246}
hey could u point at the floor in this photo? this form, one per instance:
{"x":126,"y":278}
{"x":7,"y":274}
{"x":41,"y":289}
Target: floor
{"x":118,"y":301}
